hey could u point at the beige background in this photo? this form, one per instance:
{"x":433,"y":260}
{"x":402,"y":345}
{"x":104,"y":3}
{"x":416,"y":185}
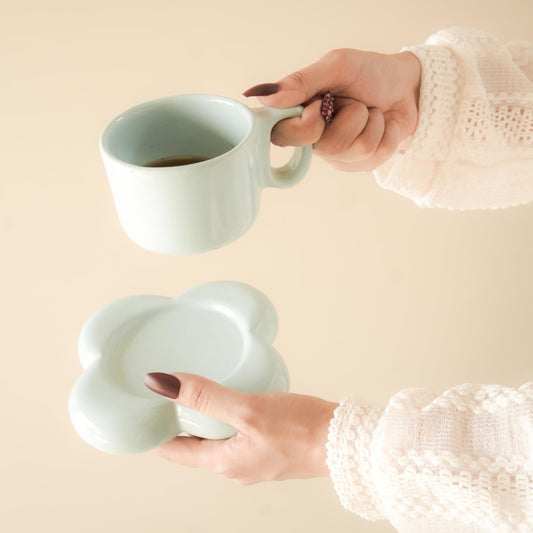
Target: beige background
{"x":373,"y":293}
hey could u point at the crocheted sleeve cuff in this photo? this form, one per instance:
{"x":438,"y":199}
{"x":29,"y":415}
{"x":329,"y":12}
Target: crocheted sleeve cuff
{"x":412,"y":171}
{"x":349,"y":459}
{"x":473,"y":145}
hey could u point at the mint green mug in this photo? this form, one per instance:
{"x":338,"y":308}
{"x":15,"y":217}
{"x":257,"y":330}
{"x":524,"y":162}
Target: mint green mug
{"x":220,"y":150}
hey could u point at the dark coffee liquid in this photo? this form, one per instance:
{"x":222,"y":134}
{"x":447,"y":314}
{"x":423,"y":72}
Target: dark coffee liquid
{"x":175,"y":161}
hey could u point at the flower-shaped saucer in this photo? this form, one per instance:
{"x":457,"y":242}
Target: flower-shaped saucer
{"x":221,"y":330}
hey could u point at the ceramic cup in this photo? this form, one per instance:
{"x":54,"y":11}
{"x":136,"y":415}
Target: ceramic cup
{"x":201,"y":206}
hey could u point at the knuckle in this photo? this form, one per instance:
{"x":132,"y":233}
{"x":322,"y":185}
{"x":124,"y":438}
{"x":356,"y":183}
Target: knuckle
{"x":387,"y":147}
{"x":367,"y":144}
{"x":229,"y":468}
{"x":317,"y":129}
{"x":244,"y":482}
{"x":383,"y":153}
{"x":248,"y":412}
{"x":365,"y":147}
{"x":223,"y":469}
{"x":298,"y":78}
{"x":310,"y":127}
{"x":337,"y":56}
{"x":330,"y":147}
{"x":363,"y":112}
{"x":199,"y":397}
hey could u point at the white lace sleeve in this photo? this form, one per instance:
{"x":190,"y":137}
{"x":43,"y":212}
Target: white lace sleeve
{"x":473,"y":146}
{"x":459,"y":462}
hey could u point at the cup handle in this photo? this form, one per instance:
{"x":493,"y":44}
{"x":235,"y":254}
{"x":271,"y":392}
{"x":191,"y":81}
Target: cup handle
{"x":298,"y":165}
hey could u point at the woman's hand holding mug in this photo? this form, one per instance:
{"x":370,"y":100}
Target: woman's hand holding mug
{"x":376,"y":106}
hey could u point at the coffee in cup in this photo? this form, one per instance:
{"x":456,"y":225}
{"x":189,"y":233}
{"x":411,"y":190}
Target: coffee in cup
{"x":175,"y":161}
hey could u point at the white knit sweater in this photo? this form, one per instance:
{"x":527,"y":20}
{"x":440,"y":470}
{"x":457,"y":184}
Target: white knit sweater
{"x":460,"y":462}
{"x":473,"y":146}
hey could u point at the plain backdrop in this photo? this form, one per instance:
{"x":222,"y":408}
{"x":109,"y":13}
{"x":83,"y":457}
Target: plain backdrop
{"x":373,"y":293}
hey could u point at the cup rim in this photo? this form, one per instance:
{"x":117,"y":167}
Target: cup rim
{"x":104,"y":136}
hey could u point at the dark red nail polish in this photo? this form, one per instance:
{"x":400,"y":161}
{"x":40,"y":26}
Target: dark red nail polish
{"x":164,"y":384}
{"x":263,"y":89}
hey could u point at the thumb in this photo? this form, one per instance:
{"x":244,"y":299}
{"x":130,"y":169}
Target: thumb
{"x":200,"y":394}
{"x":297,"y":88}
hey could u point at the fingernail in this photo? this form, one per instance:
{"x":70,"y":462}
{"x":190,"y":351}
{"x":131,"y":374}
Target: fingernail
{"x":263,"y":89}
{"x":164,"y":384}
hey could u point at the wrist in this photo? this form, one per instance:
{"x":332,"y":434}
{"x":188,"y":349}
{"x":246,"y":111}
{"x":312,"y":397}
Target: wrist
{"x":319,"y":439}
{"x":411,"y":72}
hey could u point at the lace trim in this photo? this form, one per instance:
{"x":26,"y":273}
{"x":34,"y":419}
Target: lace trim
{"x":495,"y":493}
{"x":349,"y":457}
{"x":375,"y":476}
{"x":442,"y":82}
{"x":486,"y":126}
{"x":468,"y":397}
{"x":412,"y":171}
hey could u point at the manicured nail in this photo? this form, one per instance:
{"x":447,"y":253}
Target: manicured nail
{"x":164,"y":384}
{"x":263,"y":89}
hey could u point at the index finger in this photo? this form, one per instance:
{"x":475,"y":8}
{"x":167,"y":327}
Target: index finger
{"x":300,"y":131}
{"x":304,"y":84}
{"x":309,"y":127}
{"x":190,"y":451}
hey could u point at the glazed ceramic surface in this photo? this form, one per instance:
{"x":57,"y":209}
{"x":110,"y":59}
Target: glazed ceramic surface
{"x":202,"y":206}
{"x":220,"y":330}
